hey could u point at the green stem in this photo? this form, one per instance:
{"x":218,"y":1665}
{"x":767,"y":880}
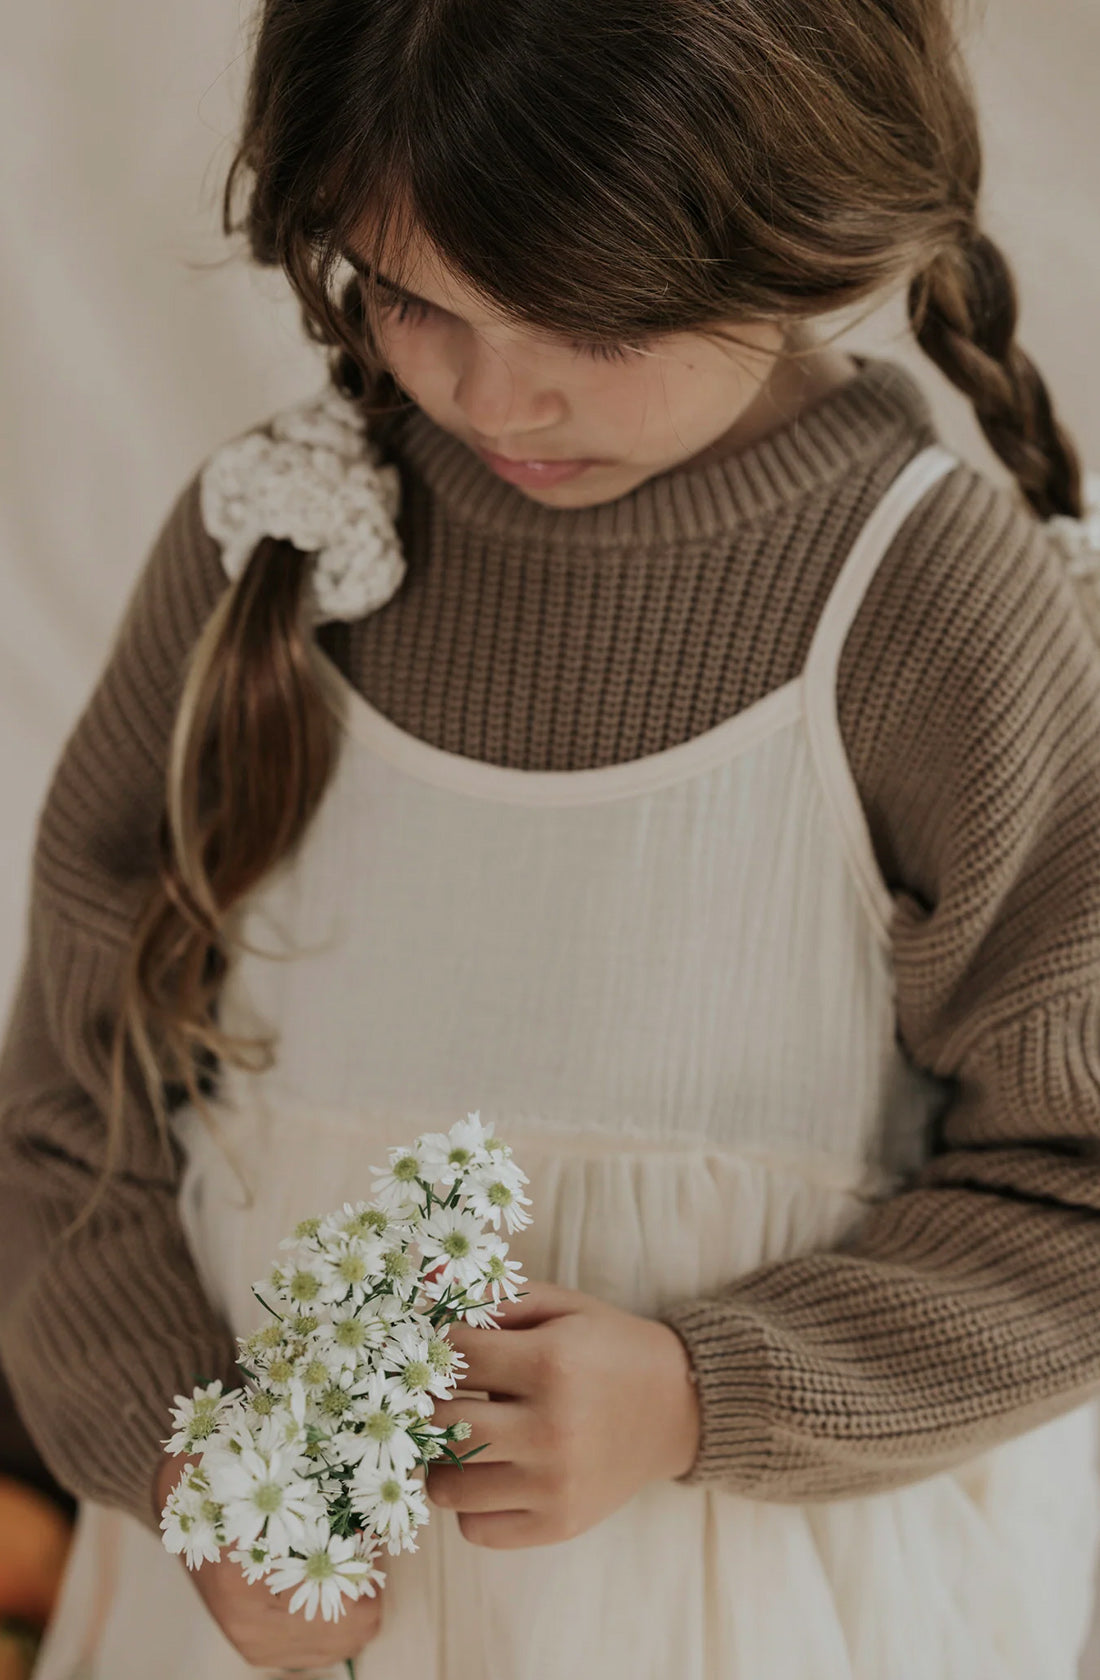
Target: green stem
{"x":350,"y":1666}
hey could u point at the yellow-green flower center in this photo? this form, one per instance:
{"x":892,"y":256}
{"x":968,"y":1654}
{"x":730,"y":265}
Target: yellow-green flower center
{"x":268,"y":1497}
{"x":380,"y":1426}
{"x":441,"y":1355}
{"x":417,"y":1374}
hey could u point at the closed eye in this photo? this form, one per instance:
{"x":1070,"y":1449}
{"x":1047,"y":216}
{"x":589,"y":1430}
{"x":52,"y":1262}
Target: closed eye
{"x":415,"y":309}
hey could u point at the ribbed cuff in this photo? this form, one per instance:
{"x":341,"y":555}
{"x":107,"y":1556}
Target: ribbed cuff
{"x":736,"y":1395}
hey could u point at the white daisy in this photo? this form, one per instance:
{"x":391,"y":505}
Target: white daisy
{"x":443,"y":1357}
{"x":401,"y":1277}
{"x":304,"y":1281}
{"x":352,"y":1267}
{"x":263,"y":1425}
{"x":255,"y":1561}
{"x":355,"y":1219}
{"x":280,"y":1370}
{"x":192,"y":1522}
{"x":457,"y":1241}
{"x":383,"y":1443}
{"x":196,"y":1419}
{"x":265,"y":1493}
{"x":472,"y":1134}
{"x":305,"y":1231}
{"x":502,"y":1277}
{"x":329,"y":1571}
{"x":398,"y":1185}
{"x":393,"y":1506}
{"x":416,"y":1376}
{"x":479,"y":1315}
{"x":315,"y":1373}
{"x":354,"y":1335}
{"x":263,"y":1345}
{"x":494,"y":1190}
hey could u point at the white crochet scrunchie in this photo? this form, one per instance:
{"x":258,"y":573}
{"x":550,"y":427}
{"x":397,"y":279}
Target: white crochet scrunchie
{"x":1079,"y":539}
{"x":315,"y":482}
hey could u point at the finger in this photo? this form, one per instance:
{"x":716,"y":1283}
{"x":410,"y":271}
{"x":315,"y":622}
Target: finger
{"x":492,"y":1487}
{"x":538,"y":1302}
{"x":497,"y":1426}
{"x":500,"y":1360}
{"x":502,"y":1531}
{"x":497,"y":1361}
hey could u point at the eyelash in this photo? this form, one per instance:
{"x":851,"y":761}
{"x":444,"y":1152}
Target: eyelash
{"x":406,"y":310}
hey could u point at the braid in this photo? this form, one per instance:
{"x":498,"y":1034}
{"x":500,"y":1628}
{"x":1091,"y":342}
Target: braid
{"x":963,"y":310}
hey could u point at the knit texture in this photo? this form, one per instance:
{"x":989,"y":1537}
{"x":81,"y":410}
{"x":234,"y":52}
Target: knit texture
{"x":964,"y":1308}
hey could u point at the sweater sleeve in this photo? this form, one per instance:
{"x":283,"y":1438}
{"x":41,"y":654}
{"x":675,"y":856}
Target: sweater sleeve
{"x":964,"y":1308}
{"x":98,"y":1331}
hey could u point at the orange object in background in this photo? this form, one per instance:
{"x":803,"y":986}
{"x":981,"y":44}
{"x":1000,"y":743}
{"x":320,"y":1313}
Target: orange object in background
{"x":34,"y":1543}
{"x":17,"y":1655}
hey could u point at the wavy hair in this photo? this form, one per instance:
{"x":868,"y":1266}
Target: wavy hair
{"x":604,"y":172}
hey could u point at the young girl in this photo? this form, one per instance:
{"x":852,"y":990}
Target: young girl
{"x":608,"y":708}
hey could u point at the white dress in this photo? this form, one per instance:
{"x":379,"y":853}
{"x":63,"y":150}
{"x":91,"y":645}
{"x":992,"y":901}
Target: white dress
{"x":668,"y":985}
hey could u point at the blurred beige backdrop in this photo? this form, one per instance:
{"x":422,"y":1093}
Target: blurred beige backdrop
{"x":129,"y":347}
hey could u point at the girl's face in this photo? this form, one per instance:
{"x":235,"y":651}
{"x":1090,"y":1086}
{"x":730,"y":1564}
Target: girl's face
{"x":507,"y":391}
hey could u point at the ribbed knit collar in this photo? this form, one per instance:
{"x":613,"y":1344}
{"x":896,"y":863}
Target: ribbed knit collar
{"x":863,"y":418}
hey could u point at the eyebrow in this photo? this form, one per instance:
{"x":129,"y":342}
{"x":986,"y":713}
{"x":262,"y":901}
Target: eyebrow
{"x":365,"y":269}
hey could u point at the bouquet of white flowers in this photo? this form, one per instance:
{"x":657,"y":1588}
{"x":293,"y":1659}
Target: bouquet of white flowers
{"x":310,"y":1469}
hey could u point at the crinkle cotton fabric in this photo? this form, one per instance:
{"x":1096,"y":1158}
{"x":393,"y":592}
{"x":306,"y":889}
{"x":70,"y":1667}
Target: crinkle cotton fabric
{"x":667,"y":984}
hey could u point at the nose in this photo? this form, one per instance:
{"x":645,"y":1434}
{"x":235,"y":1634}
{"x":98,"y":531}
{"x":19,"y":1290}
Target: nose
{"x":503,"y":395}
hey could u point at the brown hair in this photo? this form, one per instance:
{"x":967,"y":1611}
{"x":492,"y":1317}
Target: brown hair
{"x":606,"y":172}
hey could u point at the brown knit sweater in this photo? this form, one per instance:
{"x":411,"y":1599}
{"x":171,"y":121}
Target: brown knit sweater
{"x":967,"y":1307}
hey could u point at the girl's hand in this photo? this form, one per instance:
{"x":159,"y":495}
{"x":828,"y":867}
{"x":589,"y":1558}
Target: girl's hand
{"x":588,"y":1404}
{"x":256,"y":1621}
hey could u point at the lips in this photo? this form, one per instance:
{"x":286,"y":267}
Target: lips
{"x":530,"y":474}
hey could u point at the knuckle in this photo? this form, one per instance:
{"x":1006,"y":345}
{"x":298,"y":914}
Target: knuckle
{"x":555,"y":1442}
{"x":540,"y":1372}
{"x":548,"y":1365}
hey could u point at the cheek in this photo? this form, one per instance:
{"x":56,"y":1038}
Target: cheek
{"x":701,"y":398}
{"x":415,"y":362}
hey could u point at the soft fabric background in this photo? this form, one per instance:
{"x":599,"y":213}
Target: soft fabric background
{"x":131,"y":344}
